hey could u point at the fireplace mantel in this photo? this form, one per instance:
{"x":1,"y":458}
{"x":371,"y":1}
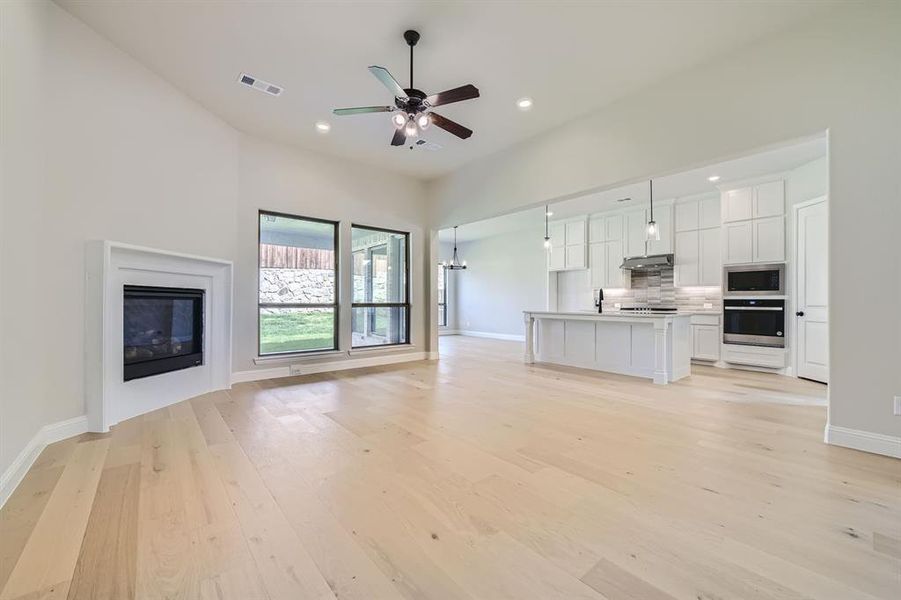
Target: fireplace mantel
{"x":110,"y":266}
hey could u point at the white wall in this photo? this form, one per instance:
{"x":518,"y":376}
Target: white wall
{"x":839,"y":73}
{"x":282,"y":179}
{"x":94,"y":146}
{"x":505,"y":275}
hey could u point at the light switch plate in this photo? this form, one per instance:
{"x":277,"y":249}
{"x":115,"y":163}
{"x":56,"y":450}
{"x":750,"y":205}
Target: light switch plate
{"x":708,"y":305}
{"x":898,"y":406}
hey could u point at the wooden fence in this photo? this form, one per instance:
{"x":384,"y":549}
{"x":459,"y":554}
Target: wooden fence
{"x":291,"y":257}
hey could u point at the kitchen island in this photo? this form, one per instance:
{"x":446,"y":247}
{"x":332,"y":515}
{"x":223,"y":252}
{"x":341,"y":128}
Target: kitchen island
{"x":655,"y":346}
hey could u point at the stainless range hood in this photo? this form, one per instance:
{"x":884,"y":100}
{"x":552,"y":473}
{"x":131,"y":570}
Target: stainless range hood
{"x":654,"y":262}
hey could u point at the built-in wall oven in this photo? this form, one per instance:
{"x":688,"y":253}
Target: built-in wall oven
{"x":754,"y":321}
{"x":754,"y":280}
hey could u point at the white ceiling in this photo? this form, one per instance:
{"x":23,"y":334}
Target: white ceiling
{"x":684,"y":183}
{"x":571,"y":57}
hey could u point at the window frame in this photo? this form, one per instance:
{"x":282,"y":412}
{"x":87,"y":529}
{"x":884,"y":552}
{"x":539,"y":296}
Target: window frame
{"x":335,"y":305}
{"x":407,"y":305}
{"x":442,"y":300}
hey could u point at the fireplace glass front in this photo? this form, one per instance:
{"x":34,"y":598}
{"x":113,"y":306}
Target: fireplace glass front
{"x":163,"y":330}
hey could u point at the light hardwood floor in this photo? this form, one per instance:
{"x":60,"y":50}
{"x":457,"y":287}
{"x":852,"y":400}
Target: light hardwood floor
{"x":472,"y":477}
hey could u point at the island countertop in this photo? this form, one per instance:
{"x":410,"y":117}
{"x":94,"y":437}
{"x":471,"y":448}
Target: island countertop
{"x":596,"y":316}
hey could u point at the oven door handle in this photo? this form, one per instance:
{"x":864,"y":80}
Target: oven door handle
{"x":776,"y":308}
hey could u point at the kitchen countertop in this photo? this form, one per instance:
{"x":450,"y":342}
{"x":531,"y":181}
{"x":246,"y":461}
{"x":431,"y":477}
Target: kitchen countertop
{"x":616,"y":314}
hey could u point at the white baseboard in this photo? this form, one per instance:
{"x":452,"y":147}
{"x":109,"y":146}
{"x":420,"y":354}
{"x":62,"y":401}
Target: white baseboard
{"x":877,"y":443}
{"x":496,"y":336}
{"x":448,"y":332}
{"x":324,"y":367}
{"x":48,"y":434}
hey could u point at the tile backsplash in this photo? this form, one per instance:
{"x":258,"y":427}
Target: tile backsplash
{"x":657,"y":288}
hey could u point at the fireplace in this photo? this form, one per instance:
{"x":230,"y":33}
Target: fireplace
{"x":163,"y":330}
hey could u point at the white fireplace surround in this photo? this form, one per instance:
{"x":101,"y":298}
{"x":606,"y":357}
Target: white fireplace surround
{"x":112,"y":265}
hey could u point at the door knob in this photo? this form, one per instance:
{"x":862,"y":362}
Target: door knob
{"x":800,"y":313}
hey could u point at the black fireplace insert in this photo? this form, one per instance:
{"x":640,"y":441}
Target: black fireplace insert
{"x":163,"y":330}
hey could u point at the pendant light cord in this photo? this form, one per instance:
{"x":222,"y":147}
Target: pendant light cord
{"x":651,"y":185}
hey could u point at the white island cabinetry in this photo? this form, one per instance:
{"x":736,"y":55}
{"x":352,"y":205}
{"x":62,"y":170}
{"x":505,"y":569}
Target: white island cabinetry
{"x":657,"y":347}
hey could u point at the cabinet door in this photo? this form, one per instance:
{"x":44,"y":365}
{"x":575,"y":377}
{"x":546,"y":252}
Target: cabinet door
{"x":705,"y":342}
{"x":597,"y":229}
{"x":737,"y":246}
{"x":558,"y":234}
{"x":636,"y":233}
{"x":737,"y":205}
{"x":597,"y":263}
{"x":575,"y":232}
{"x":686,"y":270}
{"x":575,"y":256}
{"x":664,"y":217}
{"x":709,"y":213}
{"x":769,"y":199}
{"x":769,"y":239}
{"x":614,"y":228}
{"x":686,"y":217}
{"x":615,"y":276}
{"x":556,"y":258}
{"x":711,"y":262}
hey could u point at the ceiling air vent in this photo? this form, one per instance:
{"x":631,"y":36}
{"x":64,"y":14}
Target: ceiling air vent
{"x":260,"y":85}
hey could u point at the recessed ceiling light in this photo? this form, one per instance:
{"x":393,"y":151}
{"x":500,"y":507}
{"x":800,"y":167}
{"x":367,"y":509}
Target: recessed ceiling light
{"x":524,"y":103}
{"x":713,"y":178}
{"x":323,"y":126}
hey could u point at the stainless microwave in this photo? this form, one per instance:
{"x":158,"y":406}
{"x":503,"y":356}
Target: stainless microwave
{"x":754,"y":280}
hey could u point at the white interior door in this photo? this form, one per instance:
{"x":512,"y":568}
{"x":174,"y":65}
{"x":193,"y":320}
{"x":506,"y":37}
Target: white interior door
{"x":812,"y":291}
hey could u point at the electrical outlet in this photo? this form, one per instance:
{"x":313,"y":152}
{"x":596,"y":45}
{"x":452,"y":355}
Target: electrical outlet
{"x":708,"y":305}
{"x":898,"y":406}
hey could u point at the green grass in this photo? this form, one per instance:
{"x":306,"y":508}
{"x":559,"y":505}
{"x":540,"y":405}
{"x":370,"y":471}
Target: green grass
{"x":296,"y":331}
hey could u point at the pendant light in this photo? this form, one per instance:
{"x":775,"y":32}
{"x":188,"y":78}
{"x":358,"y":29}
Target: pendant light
{"x":547,"y":235}
{"x":653,"y":232}
{"x":455,"y":264}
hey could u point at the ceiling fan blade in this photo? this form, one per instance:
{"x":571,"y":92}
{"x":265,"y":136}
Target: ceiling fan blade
{"x":382,"y":74}
{"x":451,"y":126}
{"x":363,"y":109}
{"x":399,"y":138}
{"x":465,"y":92}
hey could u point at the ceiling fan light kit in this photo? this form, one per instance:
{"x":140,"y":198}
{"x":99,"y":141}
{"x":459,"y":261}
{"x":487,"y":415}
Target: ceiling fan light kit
{"x":414,"y":106}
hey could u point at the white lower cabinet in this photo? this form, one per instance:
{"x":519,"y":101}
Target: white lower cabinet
{"x":705,"y":343}
{"x":705,"y":337}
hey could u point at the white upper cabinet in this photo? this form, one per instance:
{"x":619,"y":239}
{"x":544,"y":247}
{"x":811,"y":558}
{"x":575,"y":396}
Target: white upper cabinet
{"x":687,"y":217}
{"x":597,"y":229}
{"x":615,"y":276}
{"x":614,"y":228}
{"x":568,"y":247}
{"x":737,"y":242}
{"x":738,"y":205}
{"x":710,"y":271}
{"x":754,"y":223}
{"x":597,"y":264}
{"x":575,"y":232}
{"x":709,"y":212}
{"x":687,"y":268}
{"x":769,"y":199}
{"x":769,"y":239}
{"x":636,"y":232}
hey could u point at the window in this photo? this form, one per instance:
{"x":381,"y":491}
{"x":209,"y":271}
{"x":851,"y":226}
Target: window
{"x":381,"y":299}
{"x":298,"y":288}
{"x":442,"y":295}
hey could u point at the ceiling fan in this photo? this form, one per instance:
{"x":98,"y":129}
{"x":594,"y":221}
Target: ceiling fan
{"x":412,"y":106}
